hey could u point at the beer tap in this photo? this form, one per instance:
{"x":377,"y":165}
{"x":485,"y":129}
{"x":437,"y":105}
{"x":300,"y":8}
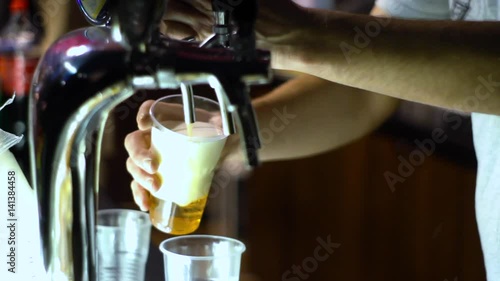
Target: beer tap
{"x":88,"y":72}
{"x":243,"y":14}
{"x":222,"y":25}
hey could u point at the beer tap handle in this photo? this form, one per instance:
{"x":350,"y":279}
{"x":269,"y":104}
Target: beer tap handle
{"x":238,"y":95}
{"x":137,"y":20}
{"x":244,"y":16}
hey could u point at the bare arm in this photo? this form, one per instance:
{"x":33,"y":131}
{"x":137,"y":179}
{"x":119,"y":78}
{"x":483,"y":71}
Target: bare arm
{"x":309,"y":115}
{"x":305,"y":116}
{"x":443,"y":63}
{"x":321,"y":116}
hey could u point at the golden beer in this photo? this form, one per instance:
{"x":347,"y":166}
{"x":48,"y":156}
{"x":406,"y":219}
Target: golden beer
{"x":174,"y":219}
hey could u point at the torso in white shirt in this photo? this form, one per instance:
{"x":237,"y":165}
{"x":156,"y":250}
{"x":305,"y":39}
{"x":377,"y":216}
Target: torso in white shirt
{"x":486,"y":128}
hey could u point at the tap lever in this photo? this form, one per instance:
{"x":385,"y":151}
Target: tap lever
{"x":240,"y":103}
{"x":138,"y":19}
{"x":244,"y":16}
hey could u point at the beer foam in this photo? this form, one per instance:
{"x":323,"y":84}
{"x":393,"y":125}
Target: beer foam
{"x":187,"y":163}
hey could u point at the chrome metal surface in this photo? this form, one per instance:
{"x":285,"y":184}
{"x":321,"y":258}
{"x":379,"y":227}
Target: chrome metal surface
{"x":228,"y":125}
{"x":188,"y":103}
{"x":222,"y":31}
{"x":80,"y":79}
{"x":221,"y":18}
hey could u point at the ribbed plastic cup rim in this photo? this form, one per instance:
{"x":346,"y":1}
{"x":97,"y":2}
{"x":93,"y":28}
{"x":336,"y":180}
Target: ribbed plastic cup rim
{"x":238,"y":250}
{"x":163,"y":129}
{"x":146,"y":221}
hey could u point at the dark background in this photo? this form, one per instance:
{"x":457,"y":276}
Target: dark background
{"x":4,"y":10}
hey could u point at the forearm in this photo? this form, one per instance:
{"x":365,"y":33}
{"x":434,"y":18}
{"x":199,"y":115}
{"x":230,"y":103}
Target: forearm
{"x":308,"y":116}
{"x":441,"y":63}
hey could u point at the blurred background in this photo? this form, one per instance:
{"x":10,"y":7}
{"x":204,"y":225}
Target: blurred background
{"x":420,"y":228}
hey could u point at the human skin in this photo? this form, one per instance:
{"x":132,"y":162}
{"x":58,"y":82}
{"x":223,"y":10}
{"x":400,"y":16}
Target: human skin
{"x":322,"y":116}
{"x":434,"y":62}
{"x":440,"y":63}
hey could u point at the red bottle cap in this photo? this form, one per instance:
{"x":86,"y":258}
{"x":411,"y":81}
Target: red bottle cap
{"x":19,"y":5}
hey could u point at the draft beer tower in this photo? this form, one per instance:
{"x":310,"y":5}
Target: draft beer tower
{"x":89,"y":71}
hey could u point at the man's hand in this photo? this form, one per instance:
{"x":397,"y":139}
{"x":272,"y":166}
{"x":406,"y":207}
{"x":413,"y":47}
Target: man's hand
{"x":142,"y":164}
{"x":280,"y":25}
{"x":188,"y":18}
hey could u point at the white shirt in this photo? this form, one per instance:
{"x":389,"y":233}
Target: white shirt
{"x":442,"y":9}
{"x":486,"y":128}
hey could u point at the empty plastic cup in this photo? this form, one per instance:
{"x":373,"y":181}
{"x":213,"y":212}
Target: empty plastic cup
{"x":123,"y":238}
{"x":202,"y":258}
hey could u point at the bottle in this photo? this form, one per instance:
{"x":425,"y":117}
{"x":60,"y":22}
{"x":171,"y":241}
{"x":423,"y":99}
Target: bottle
{"x":4,"y":12}
{"x":20,"y":51}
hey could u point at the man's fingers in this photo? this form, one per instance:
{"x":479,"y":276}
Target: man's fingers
{"x":143,"y":117}
{"x":185,"y":13}
{"x":137,"y":145}
{"x":141,"y":196}
{"x":146,"y":180}
{"x":178,"y":30}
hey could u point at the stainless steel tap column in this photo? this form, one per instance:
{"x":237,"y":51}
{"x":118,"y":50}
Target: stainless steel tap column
{"x":81,"y":78}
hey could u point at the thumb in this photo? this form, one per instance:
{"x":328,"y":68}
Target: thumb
{"x":144,"y":121}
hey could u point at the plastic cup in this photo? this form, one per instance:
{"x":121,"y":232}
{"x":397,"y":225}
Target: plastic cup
{"x":123,"y":241}
{"x":202,"y":258}
{"x":188,"y":155}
